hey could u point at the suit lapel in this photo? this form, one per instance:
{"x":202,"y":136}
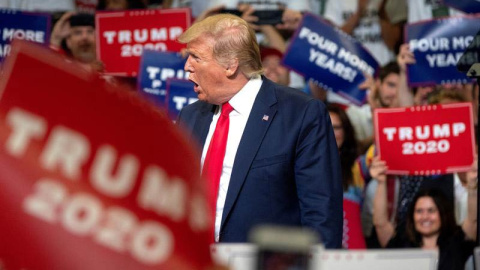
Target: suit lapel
{"x":262,"y":114}
{"x":202,"y":125}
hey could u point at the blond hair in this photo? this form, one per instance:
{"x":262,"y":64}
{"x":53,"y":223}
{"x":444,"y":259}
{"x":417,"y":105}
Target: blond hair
{"x":441,"y":94}
{"x":233,"y":39}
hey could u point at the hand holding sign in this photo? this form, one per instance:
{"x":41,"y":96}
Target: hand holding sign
{"x":378,"y":169}
{"x":370,"y":86}
{"x":290,"y":20}
{"x":405,"y":57}
{"x":472,"y":175}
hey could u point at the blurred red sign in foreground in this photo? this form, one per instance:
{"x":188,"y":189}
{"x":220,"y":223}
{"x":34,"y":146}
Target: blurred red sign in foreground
{"x":91,"y":176}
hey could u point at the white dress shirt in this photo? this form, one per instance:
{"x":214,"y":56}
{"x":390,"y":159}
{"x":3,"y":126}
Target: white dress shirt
{"x":242,"y":104}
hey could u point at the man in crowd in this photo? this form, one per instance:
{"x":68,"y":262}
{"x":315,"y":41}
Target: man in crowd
{"x":273,"y":67}
{"x":383,"y":94}
{"x":269,"y":151}
{"x":77,"y":33}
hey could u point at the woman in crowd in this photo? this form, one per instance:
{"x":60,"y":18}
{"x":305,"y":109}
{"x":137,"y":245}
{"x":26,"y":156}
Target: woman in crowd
{"x":430,"y":221}
{"x":352,"y":186}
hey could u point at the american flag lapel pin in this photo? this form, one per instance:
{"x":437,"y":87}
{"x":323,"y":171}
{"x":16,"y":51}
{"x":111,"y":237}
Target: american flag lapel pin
{"x":265,"y":117}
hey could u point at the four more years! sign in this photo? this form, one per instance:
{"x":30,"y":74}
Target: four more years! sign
{"x":122,"y":36}
{"x":467,"y":6}
{"x":91,"y":176}
{"x":438,"y":46}
{"x":29,"y":26}
{"x":426,"y":140}
{"x":334,"y":60}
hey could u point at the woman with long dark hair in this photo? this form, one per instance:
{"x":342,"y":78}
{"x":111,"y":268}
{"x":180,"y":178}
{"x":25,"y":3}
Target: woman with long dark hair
{"x":352,"y":186}
{"x":346,"y":143}
{"x":430,"y":222}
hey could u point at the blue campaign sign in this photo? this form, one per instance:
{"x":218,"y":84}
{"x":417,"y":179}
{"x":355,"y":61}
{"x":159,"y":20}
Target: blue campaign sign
{"x":180,"y":93}
{"x":333,"y":59}
{"x":467,"y":6}
{"x":29,"y":26}
{"x":155,"y":69}
{"x":437,"y":46}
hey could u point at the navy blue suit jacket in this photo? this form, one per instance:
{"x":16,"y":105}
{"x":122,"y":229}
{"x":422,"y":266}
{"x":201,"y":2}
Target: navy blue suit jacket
{"x":286,"y":170}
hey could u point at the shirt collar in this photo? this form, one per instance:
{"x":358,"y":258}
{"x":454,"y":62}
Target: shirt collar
{"x":242,"y":102}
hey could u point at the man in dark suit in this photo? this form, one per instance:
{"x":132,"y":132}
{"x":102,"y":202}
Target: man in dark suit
{"x":280,"y":162}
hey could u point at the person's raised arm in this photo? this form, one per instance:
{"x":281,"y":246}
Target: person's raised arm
{"x":61,"y":30}
{"x":390,"y":32}
{"x":290,"y":20}
{"x":384,"y":228}
{"x":369,"y":86}
{"x":273,"y":37}
{"x":469,"y":225}
{"x":404,"y":94}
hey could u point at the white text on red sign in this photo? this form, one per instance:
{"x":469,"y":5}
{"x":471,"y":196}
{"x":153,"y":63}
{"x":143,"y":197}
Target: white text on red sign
{"x":137,"y":40}
{"x":67,"y":151}
{"x":425,"y":133}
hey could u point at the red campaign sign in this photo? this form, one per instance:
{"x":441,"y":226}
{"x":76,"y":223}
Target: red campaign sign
{"x":352,"y":237}
{"x":88,"y":6}
{"x":122,"y":36}
{"x":426,"y":140}
{"x":92,"y":176}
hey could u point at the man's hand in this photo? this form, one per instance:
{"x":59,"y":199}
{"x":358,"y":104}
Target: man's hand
{"x":405,"y":57}
{"x":472,"y":175}
{"x":61,"y":30}
{"x":247,"y":15}
{"x":370,"y":86}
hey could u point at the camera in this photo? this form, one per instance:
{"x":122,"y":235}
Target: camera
{"x":283,"y":247}
{"x":268,"y":16}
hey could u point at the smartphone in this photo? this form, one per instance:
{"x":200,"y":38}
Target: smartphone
{"x":271,"y":16}
{"x":286,"y":248}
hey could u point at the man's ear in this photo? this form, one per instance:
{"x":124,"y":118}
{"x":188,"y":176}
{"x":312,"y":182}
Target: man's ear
{"x":231,"y":68}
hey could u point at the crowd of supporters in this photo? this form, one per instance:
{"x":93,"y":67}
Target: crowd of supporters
{"x":397,"y":211}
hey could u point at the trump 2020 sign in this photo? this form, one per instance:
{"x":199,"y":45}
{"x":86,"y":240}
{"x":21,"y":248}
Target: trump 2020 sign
{"x":91,"y":175}
{"x":426,"y":140}
{"x":122,"y":36}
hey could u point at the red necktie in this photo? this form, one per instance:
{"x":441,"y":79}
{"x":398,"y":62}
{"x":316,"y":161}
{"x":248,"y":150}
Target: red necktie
{"x":213,"y":164}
